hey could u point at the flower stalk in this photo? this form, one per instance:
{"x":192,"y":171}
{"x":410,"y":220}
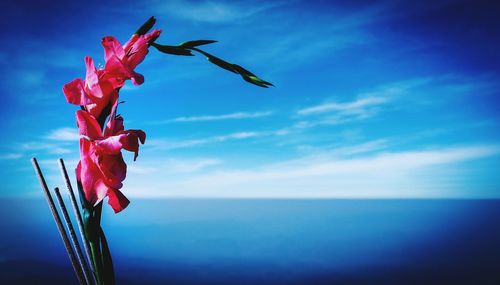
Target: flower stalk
{"x":59,"y":223}
{"x":102,"y":169}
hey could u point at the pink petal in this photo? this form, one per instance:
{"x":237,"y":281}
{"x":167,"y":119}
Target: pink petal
{"x":78,"y":170}
{"x":129,"y":141}
{"x":110,"y":145}
{"x":96,"y":109}
{"x":130,"y":42}
{"x":117,"y":200}
{"x":112,"y":48}
{"x":113,"y":126}
{"x":116,"y":71}
{"x":101,"y":191}
{"x":153,"y":35}
{"x":113,"y":169}
{"x":88,"y":172}
{"x":92,"y":79}
{"x":75,"y":93}
{"x":87,"y":125}
{"x":137,"y":47}
{"x":137,"y":78}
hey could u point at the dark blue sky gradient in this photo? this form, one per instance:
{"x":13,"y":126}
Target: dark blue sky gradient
{"x":403,"y":95}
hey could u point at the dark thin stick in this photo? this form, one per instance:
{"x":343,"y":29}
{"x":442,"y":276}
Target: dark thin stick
{"x":58,"y":221}
{"x":73,"y":237}
{"x":76,"y":211}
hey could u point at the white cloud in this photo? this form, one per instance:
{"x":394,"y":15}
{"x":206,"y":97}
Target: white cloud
{"x":10,"y":156}
{"x":356,"y":107}
{"x":59,"y":150}
{"x":364,"y":106}
{"x":213,"y":11}
{"x":64,"y":134}
{"x":231,"y":116}
{"x":63,"y":141}
{"x":417,"y":173}
{"x":36,"y":145}
{"x":191,"y":165}
{"x":173,"y":165}
{"x":134,"y":168}
{"x":346,"y":151}
{"x":334,"y":113}
{"x":171,"y":144}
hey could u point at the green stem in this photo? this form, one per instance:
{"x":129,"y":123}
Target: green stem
{"x":92,"y":224}
{"x":96,"y":260}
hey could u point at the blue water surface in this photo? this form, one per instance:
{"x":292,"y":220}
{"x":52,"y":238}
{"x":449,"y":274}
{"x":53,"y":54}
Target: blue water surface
{"x":212,"y":241}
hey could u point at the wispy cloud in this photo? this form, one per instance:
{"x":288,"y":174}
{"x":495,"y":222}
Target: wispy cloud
{"x":173,"y":144}
{"x":10,"y":156}
{"x":59,"y":150}
{"x":413,"y":173}
{"x":214,"y":11}
{"x":36,"y":145}
{"x":358,"y":106}
{"x":205,"y":118}
{"x":334,"y":113}
{"x":47,"y":148}
{"x":56,"y":142}
{"x":173,"y":165}
{"x":346,"y":151}
{"x":363,"y":106}
{"x":64,"y":134}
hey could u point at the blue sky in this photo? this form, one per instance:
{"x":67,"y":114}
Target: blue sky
{"x":373,"y":99}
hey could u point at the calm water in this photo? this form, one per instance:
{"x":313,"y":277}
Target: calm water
{"x":269,"y":242}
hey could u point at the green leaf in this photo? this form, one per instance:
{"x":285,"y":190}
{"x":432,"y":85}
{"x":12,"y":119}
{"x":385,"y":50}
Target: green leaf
{"x":221,"y":63}
{"x":85,"y":205}
{"x":107,"y":261}
{"x":146,"y":26}
{"x":257,"y":79}
{"x":241,"y":70}
{"x":177,"y":50}
{"x":191,"y":44}
{"x":254,"y":80}
{"x":217,"y":61}
{"x":185,"y":48}
{"x":250,"y":77}
{"x":96,"y":260}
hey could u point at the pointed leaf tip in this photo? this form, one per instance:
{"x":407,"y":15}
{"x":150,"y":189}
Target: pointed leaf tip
{"x":241,"y":70}
{"x":176,"y":50}
{"x":257,"y":79}
{"x":146,"y":26}
{"x":252,"y":80}
{"x":191,"y":44}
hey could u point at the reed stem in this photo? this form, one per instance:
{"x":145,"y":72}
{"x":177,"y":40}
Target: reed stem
{"x":57,"y":219}
{"x":72,"y":234}
{"x":78,"y":215}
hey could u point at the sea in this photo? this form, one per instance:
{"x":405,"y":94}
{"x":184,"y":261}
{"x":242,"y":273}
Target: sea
{"x":268,"y":241}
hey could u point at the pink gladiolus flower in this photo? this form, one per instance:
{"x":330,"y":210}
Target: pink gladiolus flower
{"x":86,"y":92}
{"x":124,"y":59}
{"x":117,"y":63}
{"x":136,"y":48}
{"x":99,"y":89}
{"x":102,"y":169}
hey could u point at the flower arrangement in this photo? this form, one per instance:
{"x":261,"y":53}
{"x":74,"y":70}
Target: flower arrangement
{"x":101,"y":170}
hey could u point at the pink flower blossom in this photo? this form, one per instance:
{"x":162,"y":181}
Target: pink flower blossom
{"x":100,"y":87}
{"x":102,"y":169}
{"x":122,"y":60}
